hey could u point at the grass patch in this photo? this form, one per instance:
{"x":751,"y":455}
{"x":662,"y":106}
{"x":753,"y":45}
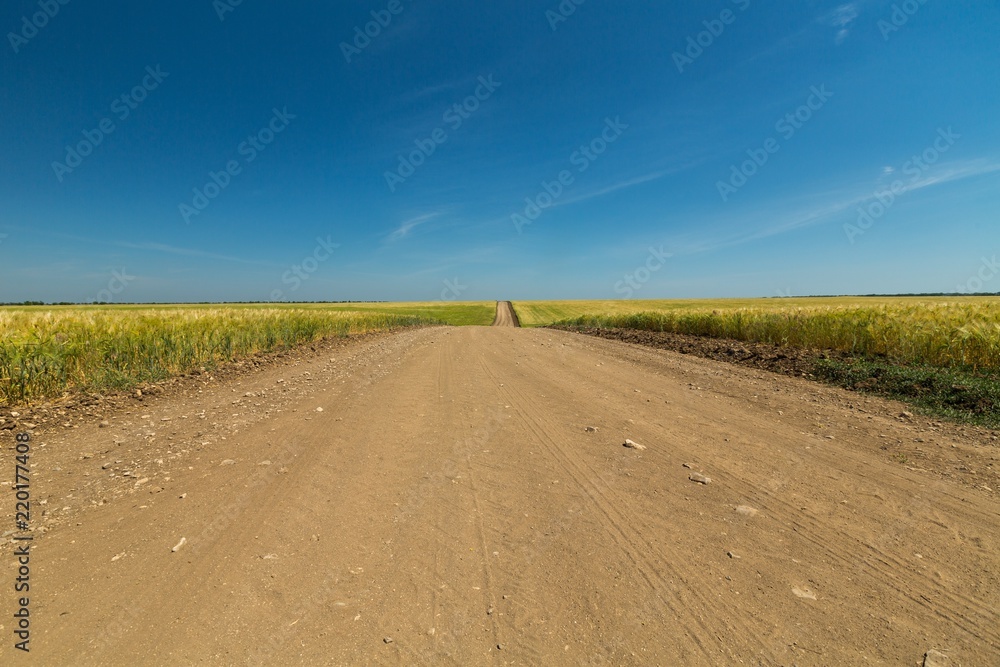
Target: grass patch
{"x":960,"y":395}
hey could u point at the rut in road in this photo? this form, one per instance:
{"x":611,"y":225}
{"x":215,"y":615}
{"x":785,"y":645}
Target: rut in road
{"x":448,"y":500}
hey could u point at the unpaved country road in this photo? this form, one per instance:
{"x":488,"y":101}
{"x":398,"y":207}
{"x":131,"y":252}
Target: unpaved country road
{"x":506,"y":317}
{"x":447,"y":506}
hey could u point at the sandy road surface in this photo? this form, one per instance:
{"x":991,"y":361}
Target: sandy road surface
{"x":447,"y":506}
{"x":506,"y":317}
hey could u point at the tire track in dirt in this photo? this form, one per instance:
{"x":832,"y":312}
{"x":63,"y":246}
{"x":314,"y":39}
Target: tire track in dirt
{"x":954,"y":606}
{"x":628,"y":530}
{"x":967,"y":613}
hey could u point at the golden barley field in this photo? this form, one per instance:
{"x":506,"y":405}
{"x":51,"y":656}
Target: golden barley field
{"x":45,"y":351}
{"x":947,"y":331}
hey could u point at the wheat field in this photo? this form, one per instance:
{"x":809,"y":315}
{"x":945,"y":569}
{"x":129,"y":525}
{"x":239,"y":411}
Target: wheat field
{"x":46,"y":351}
{"x":962,"y":332}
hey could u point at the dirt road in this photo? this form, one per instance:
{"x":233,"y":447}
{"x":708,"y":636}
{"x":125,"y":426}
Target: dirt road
{"x":506,"y":317}
{"x":448,"y":505}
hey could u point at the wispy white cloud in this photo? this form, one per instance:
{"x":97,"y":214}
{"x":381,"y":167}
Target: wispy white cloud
{"x":188,"y":252}
{"x":837,"y":203}
{"x":408,"y":226}
{"x":154,"y":247}
{"x":841,"y":18}
{"x":614,"y":188}
{"x":622,"y":185}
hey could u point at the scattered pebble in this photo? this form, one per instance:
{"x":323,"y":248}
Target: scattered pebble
{"x":732,"y":555}
{"x":634,"y":445}
{"x":590,"y":429}
{"x":688,"y":466}
{"x":179,"y":545}
{"x":319,"y":409}
{"x":228,"y":462}
{"x":935,"y":658}
{"x":806,"y":593}
{"x":746,"y":510}
{"x":698,"y":477}
{"x":387,"y":640}
{"x":104,"y":424}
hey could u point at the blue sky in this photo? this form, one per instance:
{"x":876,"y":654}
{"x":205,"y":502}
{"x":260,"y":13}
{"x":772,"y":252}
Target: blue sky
{"x":200,"y":151}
